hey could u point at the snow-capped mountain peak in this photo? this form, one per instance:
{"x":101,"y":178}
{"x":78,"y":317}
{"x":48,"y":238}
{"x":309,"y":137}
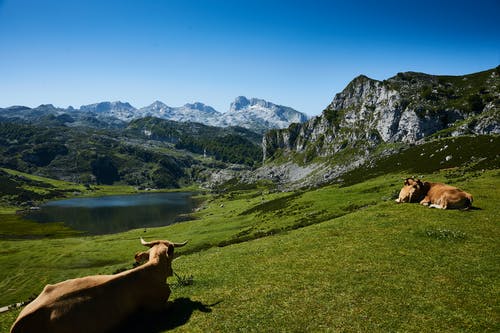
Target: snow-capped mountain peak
{"x":260,"y":114}
{"x":200,"y":107}
{"x":158,"y":105}
{"x":156,"y":109}
{"x":196,"y":112}
{"x":107,"y":107}
{"x":254,"y":114}
{"x":240,"y":103}
{"x":120,"y":110}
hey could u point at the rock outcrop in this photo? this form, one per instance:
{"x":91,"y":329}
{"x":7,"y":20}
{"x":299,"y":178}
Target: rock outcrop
{"x":405,"y":109}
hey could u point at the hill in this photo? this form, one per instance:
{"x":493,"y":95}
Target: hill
{"x":90,"y":156}
{"x":370,"y":119}
{"x":230,"y":144}
{"x":126,"y":156}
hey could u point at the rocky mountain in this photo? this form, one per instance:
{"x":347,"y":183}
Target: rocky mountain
{"x":25,"y":113}
{"x":196,"y":112}
{"x":99,"y":115}
{"x":254,"y":114}
{"x":123,"y":111}
{"x":371,"y":118}
{"x":364,"y":126}
{"x":260,"y":115}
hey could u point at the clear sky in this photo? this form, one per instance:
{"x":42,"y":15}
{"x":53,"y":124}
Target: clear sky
{"x":294,"y":53}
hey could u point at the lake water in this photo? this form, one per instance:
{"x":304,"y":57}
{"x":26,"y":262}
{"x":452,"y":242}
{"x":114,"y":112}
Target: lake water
{"x":112,"y":214}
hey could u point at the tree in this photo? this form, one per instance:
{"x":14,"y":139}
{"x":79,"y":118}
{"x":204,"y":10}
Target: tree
{"x":475,"y":103}
{"x":104,"y":170}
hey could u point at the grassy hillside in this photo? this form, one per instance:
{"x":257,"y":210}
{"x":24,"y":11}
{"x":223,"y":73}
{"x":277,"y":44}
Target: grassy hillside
{"x":92,"y":156}
{"x":173,"y":155}
{"x":339,"y":259}
{"x":463,"y":153}
{"x":230,"y":144}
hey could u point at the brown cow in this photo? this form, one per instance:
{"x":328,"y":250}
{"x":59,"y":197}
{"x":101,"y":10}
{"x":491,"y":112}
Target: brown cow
{"x":435,"y":195}
{"x":98,"y":303}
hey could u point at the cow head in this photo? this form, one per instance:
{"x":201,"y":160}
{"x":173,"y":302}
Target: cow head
{"x":412,"y":191}
{"x":159,"y":250}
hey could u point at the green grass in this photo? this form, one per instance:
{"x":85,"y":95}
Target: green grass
{"x":376,"y":269}
{"x":330,"y":259}
{"x":461,"y":153}
{"x":13,"y":226}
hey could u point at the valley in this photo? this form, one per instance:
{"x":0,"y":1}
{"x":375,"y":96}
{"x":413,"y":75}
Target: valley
{"x":296,"y":228}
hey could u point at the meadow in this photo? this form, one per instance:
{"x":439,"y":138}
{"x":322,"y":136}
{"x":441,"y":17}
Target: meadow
{"x":328,"y":259}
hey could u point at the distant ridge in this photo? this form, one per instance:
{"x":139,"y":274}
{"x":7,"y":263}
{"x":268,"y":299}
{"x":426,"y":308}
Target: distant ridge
{"x":255,"y":114}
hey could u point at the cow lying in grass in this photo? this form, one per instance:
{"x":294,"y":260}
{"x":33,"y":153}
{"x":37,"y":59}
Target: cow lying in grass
{"x":98,"y":303}
{"x":435,"y":195}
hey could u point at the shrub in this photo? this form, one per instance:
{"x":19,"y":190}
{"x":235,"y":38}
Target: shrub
{"x":475,"y":103}
{"x":104,"y":170}
{"x":427,"y":93}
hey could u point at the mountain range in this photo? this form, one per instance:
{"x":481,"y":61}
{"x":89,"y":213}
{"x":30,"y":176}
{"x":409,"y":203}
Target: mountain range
{"x":254,"y":114}
{"x":411,"y":119}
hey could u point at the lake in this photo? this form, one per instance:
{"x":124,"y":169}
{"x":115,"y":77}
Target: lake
{"x":112,"y":214}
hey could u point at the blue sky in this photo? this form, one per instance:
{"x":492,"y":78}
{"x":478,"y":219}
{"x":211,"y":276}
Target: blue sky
{"x":294,"y":53}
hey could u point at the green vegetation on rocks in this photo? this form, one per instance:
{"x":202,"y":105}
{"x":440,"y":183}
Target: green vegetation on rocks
{"x":232,"y":144}
{"x":127,"y":156}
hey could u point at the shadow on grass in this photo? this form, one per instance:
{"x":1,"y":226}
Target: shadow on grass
{"x":176,"y":314}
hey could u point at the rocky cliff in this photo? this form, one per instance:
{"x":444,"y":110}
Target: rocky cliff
{"x":403,"y":109}
{"x":369,"y":114}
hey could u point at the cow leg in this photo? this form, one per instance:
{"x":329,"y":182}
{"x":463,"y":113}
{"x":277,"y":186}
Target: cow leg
{"x":440,"y":203}
{"x":436,"y":206}
{"x":425,"y":201}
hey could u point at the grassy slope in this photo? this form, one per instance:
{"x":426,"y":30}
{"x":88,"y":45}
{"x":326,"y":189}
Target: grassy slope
{"x":385,"y":267}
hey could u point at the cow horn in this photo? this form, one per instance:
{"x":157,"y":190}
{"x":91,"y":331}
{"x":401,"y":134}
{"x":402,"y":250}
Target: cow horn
{"x":143,"y":242}
{"x":150,"y":244}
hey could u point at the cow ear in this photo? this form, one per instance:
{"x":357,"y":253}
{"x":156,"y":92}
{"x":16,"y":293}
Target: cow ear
{"x":142,"y":256}
{"x":170,"y":250}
